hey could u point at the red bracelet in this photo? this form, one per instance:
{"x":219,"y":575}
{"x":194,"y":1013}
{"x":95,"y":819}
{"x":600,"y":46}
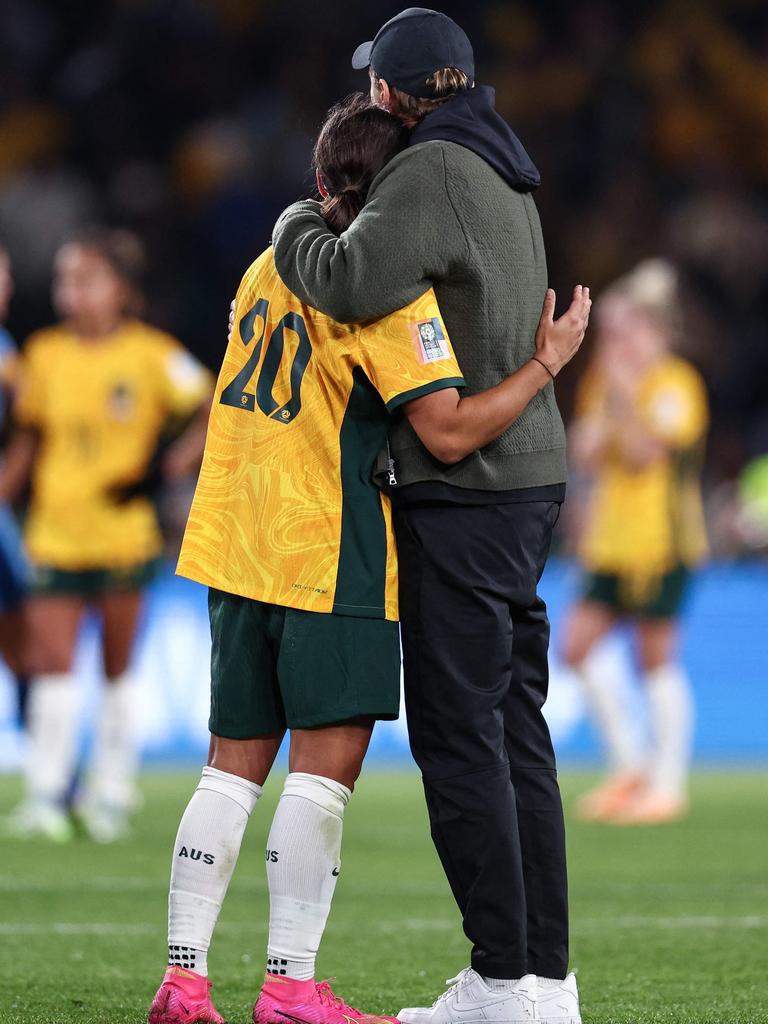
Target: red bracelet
{"x":537,"y":360}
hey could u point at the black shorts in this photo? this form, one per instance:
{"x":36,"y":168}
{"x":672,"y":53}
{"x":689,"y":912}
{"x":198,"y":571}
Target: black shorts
{"x":274,"y":668}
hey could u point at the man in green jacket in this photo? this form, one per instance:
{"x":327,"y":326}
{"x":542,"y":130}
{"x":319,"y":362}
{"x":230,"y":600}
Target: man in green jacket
{"x":455,"y":210}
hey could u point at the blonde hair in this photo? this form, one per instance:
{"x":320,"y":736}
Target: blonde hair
{"x":651,"y":287}
{"x":443,"y":83}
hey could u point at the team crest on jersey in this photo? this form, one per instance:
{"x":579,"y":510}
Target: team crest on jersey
{"x":122,"y":402}
{"x":430,"y":341}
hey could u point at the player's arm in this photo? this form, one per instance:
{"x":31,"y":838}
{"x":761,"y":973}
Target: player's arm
{"x":188,"y":393}
{"x":588,"y":442}
{"x":390,"y":254}
{"x":18,"y":459}
{"x":614,"y":426}
{"x":672,"y":418}
{"x":184,"y":455}
{"x":591,"y":437}
{"x":451,"y":427}
{"x":27,"y":418}
{"x":636,"y":444}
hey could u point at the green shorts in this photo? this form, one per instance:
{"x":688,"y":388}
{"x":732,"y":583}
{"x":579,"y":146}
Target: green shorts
{"x":91,"y":583}
{"x":274,"y":668}
{"x":646,"y":597}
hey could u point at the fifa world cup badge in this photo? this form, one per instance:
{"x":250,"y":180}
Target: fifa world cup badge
{"x":429,"y":339}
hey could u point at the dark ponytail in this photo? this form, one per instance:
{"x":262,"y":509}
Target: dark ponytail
{"x":341,"y":208}
{"x":356,"y":141}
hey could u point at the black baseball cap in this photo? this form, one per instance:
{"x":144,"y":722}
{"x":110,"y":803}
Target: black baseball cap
{"x":412,"y":46}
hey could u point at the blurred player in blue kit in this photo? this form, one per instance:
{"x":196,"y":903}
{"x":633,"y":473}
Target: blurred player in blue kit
{"x":13,"y":564}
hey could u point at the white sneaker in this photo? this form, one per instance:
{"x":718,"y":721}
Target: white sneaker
{"x":559,"y":1004}
{"x":469,"y":1000}
{"x":104,"y":823}
{"x":37,"y":819}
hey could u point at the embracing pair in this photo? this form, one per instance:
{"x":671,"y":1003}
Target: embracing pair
{"x":387,"y":395}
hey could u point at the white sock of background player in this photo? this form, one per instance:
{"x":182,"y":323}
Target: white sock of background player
{"x":115,"y":759}
{"x":53,"y":729}
{"x":671,"y":707}
{"x":614,"y":721}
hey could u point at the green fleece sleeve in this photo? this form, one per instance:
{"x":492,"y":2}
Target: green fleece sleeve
{"x":406,"y":237}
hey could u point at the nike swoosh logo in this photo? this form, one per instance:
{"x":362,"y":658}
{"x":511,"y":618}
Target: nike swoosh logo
{"x":179,"y":972}
{"x":335,"y":871}
{"x":460,"y":1011}
{"x":298,"y":1020}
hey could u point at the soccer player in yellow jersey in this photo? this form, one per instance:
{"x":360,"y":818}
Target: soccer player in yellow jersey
{"x":294,"y":539}
{"x":96,"y":392}
{"x":639,"y":433}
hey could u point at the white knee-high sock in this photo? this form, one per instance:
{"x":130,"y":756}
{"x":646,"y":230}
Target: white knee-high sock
{"x":204,"y":857}
{"x":617,"y":730}
{"x":53,"y":726}
{"x":303,"y":852}
{"x":115,"y":758}
{"x":672,"y":713}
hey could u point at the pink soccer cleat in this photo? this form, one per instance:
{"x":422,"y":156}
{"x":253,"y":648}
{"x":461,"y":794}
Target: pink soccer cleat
{"x":184,"y":998}
{"x":287,"y":1001}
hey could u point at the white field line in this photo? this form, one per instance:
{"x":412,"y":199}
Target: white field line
{"x":414,"y":924}
{"x":73,"y":928}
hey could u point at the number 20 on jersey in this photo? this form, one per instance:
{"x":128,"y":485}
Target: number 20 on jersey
{"x":234,"y":393}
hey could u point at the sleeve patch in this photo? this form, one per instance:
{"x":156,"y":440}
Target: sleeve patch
{"x":669,"y":410}
{"x":429,"y":340}
{"x":184,"y":371}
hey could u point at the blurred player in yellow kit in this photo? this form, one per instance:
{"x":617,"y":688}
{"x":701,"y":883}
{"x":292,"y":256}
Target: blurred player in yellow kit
{"x":639,"y":433}
{"x":96,"y":393}
{"x":294,"y":539}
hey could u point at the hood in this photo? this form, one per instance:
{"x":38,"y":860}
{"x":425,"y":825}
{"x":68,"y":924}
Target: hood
{"x":470,"y":120}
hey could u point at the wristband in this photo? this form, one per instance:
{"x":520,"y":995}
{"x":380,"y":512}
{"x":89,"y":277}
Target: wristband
{"x":542,"y":363}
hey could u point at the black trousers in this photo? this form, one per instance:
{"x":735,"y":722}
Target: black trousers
{"x":475,"y":638}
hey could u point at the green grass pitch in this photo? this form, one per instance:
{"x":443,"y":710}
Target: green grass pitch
{"x":668,"y":924}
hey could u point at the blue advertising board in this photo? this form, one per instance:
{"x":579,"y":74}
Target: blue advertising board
{"x":725,"y":648}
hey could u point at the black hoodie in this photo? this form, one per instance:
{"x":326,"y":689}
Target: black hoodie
{"x":470,"y":119}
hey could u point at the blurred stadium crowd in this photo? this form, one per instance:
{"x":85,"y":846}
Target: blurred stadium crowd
{"x":192,"y":121}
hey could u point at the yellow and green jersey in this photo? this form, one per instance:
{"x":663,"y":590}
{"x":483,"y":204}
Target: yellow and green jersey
{"x":286,"y":510}
{"x":650,"y":520}
{"x":99,"y":407}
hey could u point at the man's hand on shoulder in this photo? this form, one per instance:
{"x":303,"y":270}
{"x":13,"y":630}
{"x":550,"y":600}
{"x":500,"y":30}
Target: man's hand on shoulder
{"x":304,"y":210}
{"x":381,"y":262}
